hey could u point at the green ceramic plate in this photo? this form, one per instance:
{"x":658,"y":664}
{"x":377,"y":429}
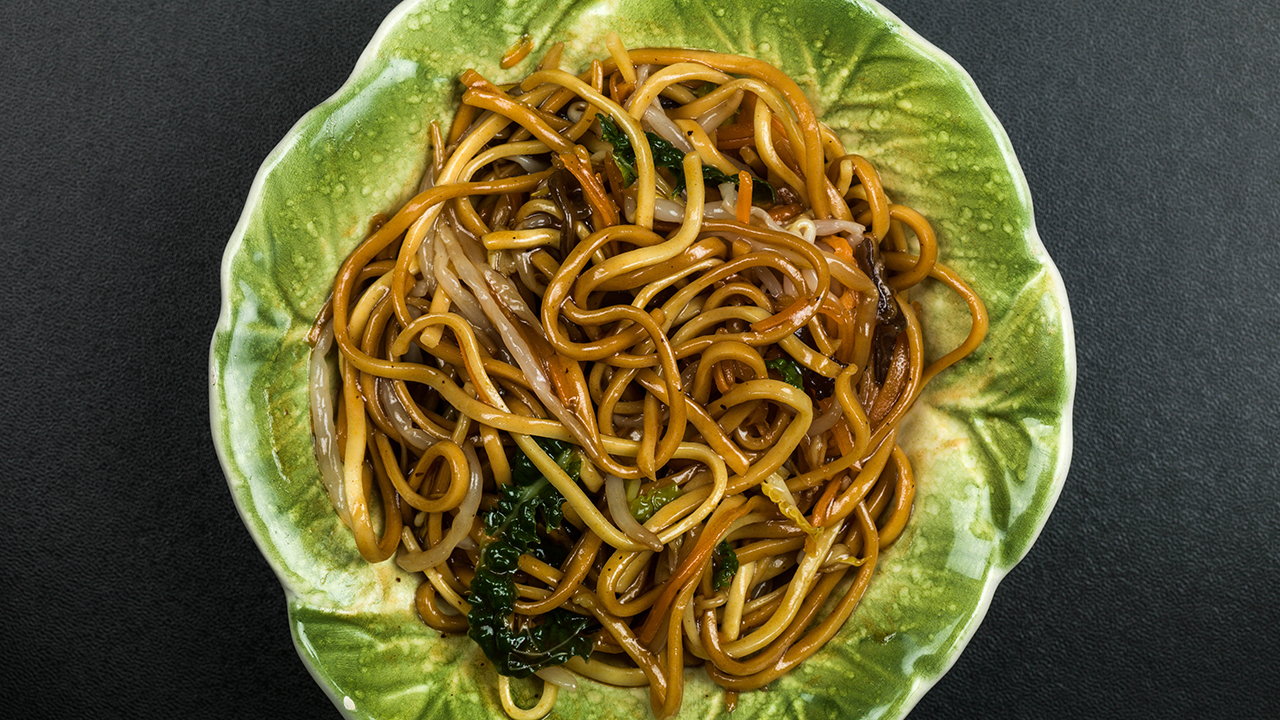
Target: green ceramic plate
{"x":990,"y":439}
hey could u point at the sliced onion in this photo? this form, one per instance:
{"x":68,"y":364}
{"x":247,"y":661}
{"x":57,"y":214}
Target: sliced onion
{"x":658,"y":120}
{"x":670,"y":209}
{"x":825,"y":420}
{"x":511,"y":336}
{"x":728,"y":200}
{"x":509,"y":295}
{"x":768,"y":280}
{"x":462,"y":522}
{"x":528,"y":163}
{"x":830,"y":226}
{"x":804,"y":227}
{"x":715,"y":117}
{"x":400,"y":418}
{"x":323,"y":394}
{"x":463,"y":300}
{"x":766,"y":219}
{"x":664,"y":209}
{"x":558,"y":676}
{"x":717,"y":211}
{"x":810,"y":277}
{"x":528,"y":273}
{"x":575,"y":110}
{"x":426,"y":264}
{"x":503,"y":261}
{"x":616,"y":495}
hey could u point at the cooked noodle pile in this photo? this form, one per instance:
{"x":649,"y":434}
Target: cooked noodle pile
{"x":624,"y":381}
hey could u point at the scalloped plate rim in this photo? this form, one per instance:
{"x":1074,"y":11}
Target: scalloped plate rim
{"x":919,"y":685}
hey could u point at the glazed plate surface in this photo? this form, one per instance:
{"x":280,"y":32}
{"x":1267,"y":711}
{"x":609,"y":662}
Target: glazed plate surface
{"x":990,"y":438}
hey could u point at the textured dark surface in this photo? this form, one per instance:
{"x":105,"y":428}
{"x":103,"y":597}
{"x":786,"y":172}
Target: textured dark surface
{"x":131,"y":132}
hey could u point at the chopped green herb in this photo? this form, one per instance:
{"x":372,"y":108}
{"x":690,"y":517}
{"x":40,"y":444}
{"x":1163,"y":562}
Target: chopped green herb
{"x":724,"y":565}
{"x":789,"y":370}
{"x":524,"y":505}
{"x":644,"y":505}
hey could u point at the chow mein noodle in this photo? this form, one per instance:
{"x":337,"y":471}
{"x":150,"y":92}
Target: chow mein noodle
{"x":623,"y":382}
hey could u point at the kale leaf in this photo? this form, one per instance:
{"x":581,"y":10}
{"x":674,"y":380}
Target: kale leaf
{"x":529,"y":502}
{"x":623,"y":156}
{"x":670,"y":158}
{"x":665,"y":155}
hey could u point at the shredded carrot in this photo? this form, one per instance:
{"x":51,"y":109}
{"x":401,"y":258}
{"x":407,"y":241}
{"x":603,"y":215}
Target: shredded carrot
{"x":620,"y":90}
{"x":787,"y":316}
{"x":822,"y":507}
{"x":840,"y":245}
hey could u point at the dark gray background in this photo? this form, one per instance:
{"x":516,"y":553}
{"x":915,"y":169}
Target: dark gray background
{"x":130,"y":133}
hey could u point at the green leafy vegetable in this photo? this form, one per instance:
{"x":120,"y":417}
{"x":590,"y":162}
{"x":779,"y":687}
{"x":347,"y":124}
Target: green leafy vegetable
{"x":644,"y":505}
{"x":789,"y":370}
{"x":623,"y":156}
{"x":670,"y":158}
{"x":666,"y":155}
{"x":528,"y":502}
{"x":761,"y":190}
{"x":724,"y":564}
